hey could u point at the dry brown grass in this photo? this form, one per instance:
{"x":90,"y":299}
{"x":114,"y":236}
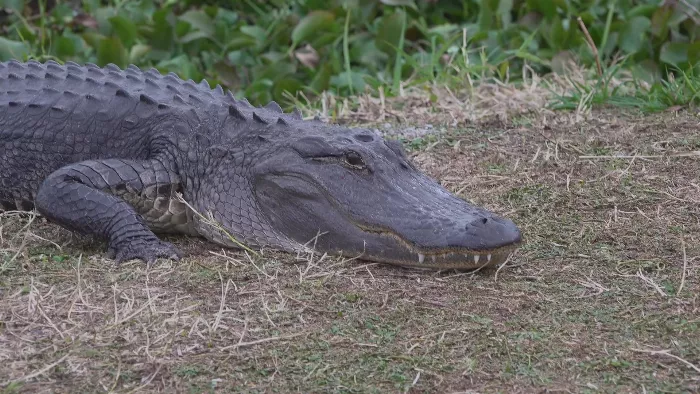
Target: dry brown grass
{"x":602,"y":297}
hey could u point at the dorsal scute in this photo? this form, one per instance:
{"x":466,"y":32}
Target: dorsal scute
{"x":146,"y":99}
{"x":245,"y":102}
{"x":273,"y":106}
{"x":235,"y":112}
{"x":258,"y":119}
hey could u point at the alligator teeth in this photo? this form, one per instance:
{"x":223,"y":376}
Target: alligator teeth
{"x":476,"y":258}
{"x":421,"y":257}
{"x":488,"y":258}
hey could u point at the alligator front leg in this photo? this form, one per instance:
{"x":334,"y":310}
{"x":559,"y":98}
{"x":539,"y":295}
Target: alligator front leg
{"x":85,"y":197}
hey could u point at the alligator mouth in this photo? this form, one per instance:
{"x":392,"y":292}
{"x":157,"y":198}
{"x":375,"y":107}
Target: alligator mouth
{"x":444,"y":258}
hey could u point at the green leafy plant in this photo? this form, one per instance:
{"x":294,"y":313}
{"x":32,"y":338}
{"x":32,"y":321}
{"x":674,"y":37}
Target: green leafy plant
{"x":267,"y":50}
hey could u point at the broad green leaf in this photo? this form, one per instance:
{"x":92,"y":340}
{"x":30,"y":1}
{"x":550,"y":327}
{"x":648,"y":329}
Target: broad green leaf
{"x":182,"y":66}
{"x":405,"y":3}
{"x":274,"y":57}
{"x":694,"y":52}
{"x":531,"y":20}
{"x":102,"y":15}
{"x":389,"y":33}
{"x":227,"y":16}
{"x":647,"y":70}
{"x":485,"y":18}
{"x":310,"y":5}
{"x":62,"y":12}
{"x":366,"y":52}
{"x":256,"y":32}
{"x":14,"y":5}
{"x":504,"y":12}
{"x":275,"y":71}
{"x":610,"y":45}
{"x":341,"y":81}
{"x":558,"y":34}
{"x":674,"y":53}
{"x":504,"y":6}
{"x":659,"y":22}
{"x":139,"y":12}
{"x":125,"y":29}
{"x":642,"y":10}
{"x":324,"y":39}
{"x":137,"y":52}
{"x":111,"y":50}
{"x":200,"y":21}
{"x":633,"y":33}
{"x":161,"y":35}
{"x":444,"y":31}
{"x":289,"y":85}
{"x":259,"y":90}
{"x":92,"y":39}
{"x":227,"y":74}
{"x":545,"y":7}
{"x":12,"y":50}
{"x":311,"y":24}
{"x":241,"y":41}
{"x":68,"y":45}
{"x":192,"y":36}
{"x":322,"y":78}
{"x":182,"y":28}
{"x":64,"y":47}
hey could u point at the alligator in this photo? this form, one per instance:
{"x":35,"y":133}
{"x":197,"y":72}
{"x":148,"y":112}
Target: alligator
{"x":124,"y":154}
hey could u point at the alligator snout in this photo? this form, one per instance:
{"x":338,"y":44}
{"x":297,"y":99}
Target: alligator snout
{"x":491,"y":232}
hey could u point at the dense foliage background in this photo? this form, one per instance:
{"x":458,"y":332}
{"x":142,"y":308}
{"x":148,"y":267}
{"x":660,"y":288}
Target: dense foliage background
{"x":262,"y":49}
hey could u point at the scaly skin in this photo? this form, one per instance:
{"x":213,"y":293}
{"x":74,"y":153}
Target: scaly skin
{"x":105,"y":152}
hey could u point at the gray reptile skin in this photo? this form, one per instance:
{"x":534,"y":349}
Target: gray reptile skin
{"x":105,"y":151}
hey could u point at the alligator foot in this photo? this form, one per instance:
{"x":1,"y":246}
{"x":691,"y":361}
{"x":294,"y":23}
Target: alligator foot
{"x":147,"y":250}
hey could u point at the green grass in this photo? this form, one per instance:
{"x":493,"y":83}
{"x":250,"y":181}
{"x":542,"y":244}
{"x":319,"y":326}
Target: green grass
{"x":628,"y":92}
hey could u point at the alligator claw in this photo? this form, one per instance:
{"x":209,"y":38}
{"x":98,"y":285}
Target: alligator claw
{"x":145,"y":250}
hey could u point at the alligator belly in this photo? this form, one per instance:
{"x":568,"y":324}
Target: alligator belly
{"x":162,"y":212}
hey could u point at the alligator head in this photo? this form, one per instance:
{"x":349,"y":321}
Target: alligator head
{"x":351,"y":192}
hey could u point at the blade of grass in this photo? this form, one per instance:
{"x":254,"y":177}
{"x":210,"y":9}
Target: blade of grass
{"x":396,"y":82}
{"x":608,"y":24}
{"x":346,"y":51}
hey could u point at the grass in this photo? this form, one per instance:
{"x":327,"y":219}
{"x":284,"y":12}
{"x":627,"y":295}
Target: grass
{"x":618,"y":88}
{"x":603,"y":296}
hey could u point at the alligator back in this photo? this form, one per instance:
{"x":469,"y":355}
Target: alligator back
{"x":52,"y":115}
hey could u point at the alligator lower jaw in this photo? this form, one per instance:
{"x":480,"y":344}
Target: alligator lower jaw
{"x":457,"y":260}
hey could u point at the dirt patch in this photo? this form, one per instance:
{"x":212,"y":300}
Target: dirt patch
{"x":603,"y":296}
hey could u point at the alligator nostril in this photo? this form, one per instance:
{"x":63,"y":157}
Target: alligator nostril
{"x":477,"y":224}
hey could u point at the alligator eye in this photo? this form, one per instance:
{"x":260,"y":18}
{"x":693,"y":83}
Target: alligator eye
{"x":354,"y":159}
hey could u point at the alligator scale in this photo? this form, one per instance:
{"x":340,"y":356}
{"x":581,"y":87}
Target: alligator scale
{"x":106,"y":152}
